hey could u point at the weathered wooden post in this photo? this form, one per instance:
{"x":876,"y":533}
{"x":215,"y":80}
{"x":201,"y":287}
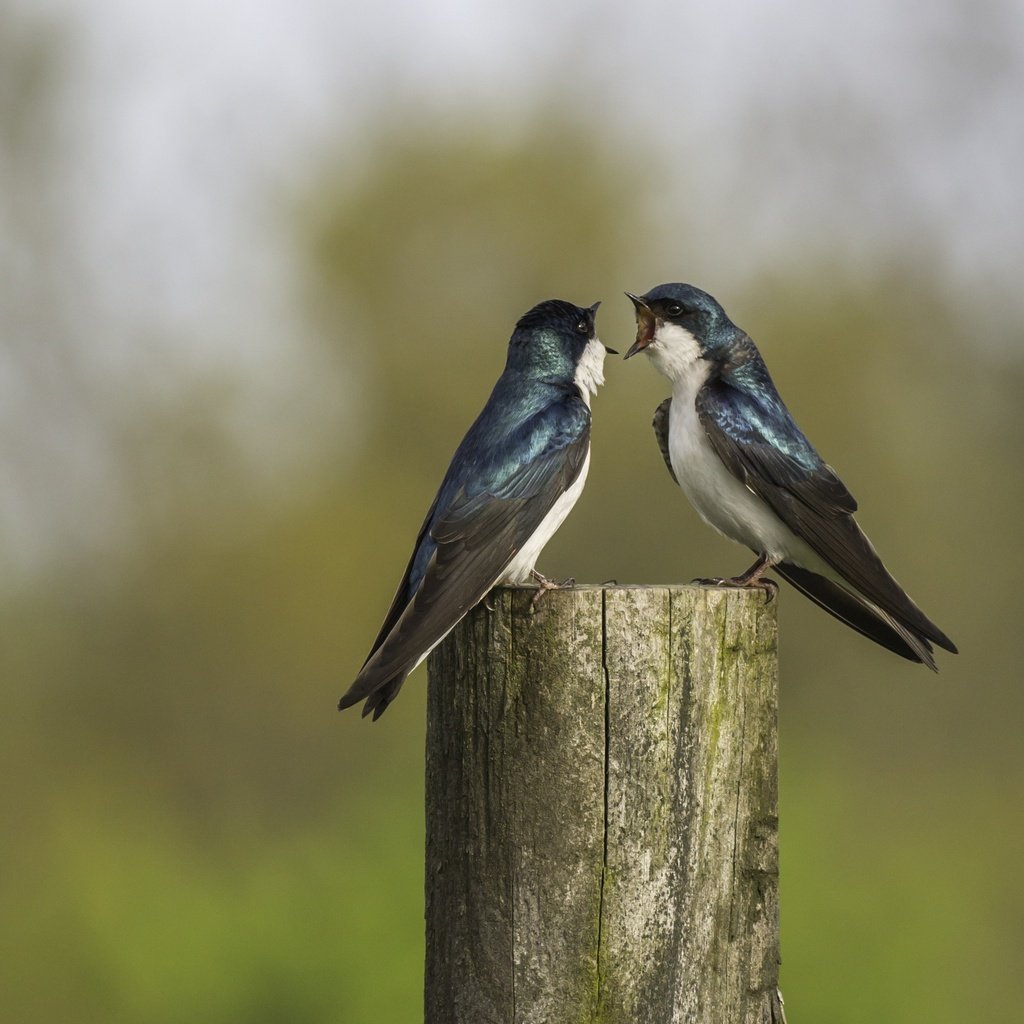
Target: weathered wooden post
{"x":602,"y":810}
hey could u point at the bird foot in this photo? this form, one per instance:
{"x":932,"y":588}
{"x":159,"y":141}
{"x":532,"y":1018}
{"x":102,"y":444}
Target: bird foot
{"x":769,"y":587}
{"x":544,"y":585}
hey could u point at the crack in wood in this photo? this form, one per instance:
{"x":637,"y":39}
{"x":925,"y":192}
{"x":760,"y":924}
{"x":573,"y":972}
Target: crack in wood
{"x":552,"y":802}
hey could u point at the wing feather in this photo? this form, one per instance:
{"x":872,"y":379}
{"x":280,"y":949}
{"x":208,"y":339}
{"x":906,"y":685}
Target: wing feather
{"x":474,"y":533}
{"x":660,"y":424}
{"x":859,"y":614}
{"x":762,"y":446}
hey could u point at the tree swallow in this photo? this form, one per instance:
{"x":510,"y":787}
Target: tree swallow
{"x":511,"y":483}
{"x":731,"y":445}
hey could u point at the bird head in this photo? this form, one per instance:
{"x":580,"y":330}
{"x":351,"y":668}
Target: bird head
{"x":557,"y":341}
{"x":677,"y":324}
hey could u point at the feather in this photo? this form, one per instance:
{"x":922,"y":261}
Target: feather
{"x":503,"y":481}
{"x":759,"y":443}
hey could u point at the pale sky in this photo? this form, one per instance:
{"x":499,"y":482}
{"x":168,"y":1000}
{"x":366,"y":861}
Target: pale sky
{"x":869,"y":117}
{"x":850,"y":127}
{"x":871,"y":120}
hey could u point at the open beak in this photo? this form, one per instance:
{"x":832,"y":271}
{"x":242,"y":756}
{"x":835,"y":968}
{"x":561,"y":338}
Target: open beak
{"x":645,"y":325}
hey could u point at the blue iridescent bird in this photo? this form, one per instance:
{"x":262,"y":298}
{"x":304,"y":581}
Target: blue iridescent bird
{"x":734,"y":449}
{"x":512,"y":481}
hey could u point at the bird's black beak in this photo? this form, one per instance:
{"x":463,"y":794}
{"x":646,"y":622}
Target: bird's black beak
{"x":593,"y":316}
{"x":645,"y":324}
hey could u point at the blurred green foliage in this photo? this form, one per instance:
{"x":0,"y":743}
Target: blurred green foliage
{"x":192,"y":833}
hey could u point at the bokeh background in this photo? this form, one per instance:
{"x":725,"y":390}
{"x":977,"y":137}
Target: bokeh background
{"x":258,"y":266}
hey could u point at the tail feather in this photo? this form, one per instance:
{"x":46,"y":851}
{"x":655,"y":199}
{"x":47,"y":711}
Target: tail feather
{"x":845,"y":546}
{"x":860,"y":614}
{"x":380,"y":700}
{"x":378,"y":692}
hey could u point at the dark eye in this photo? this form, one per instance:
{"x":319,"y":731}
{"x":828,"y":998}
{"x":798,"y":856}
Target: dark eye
{"x":673,"y":309}
{"x":583,"y":327}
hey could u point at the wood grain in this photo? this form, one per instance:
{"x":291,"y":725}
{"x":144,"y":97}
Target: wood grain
{"x":602,"y":810}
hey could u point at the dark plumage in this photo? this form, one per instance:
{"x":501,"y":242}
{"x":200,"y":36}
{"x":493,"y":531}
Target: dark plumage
{"x":527,"y":449}
{"x":733,"y":447}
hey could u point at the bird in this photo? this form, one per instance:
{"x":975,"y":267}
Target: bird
{"x":514,"y":478}
{"x":733,"y":448}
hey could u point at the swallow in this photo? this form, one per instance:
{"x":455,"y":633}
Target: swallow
{"x":733,"y":448}
{"x":515,"y":477}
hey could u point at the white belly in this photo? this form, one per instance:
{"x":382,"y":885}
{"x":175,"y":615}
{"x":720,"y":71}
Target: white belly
{"x":722,"y":501}
{"x":519,"y":568}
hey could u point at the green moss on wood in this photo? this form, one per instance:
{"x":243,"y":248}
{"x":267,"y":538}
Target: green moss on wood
{"x":578,"y":873}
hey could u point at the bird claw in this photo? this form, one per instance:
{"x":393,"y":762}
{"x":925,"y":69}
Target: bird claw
{"x":770,"y":587}
{"x":544,"y":585}
{"x":713,"y":581}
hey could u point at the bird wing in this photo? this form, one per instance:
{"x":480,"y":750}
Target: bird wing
{"x":660,"y":424}
{"x":761,"y":445}
{"x":401,"y":598}
{"x":475,"y":531}
{"x":860,"y":614}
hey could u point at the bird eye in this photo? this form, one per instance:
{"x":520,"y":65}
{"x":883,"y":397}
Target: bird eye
{"x":583,"y":327}
{"x":673,"y":309}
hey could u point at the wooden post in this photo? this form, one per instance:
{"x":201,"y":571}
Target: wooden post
{"x":602,"y":830}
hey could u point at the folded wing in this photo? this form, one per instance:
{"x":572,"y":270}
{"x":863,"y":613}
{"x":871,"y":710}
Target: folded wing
{"x":474,"y":530}
{"x":758,"y":441}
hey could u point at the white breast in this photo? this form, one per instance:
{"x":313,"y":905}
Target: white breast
{"x":719,"y":497}
{"x":590,"y":369}
{"x":518,"y":570}
{"x":589,"y":376}
{"x":722,"y":501}
{"x":526,"y":558}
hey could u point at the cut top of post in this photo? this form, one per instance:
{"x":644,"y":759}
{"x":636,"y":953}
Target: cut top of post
{"x":602,"y":808}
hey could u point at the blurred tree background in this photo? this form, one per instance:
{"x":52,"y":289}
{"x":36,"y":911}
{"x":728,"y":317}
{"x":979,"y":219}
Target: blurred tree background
{"x":258,"y":273}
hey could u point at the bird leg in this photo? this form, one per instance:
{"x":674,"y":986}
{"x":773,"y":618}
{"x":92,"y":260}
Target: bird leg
{"x":544,"y":585}
{"x":752,"y":578}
